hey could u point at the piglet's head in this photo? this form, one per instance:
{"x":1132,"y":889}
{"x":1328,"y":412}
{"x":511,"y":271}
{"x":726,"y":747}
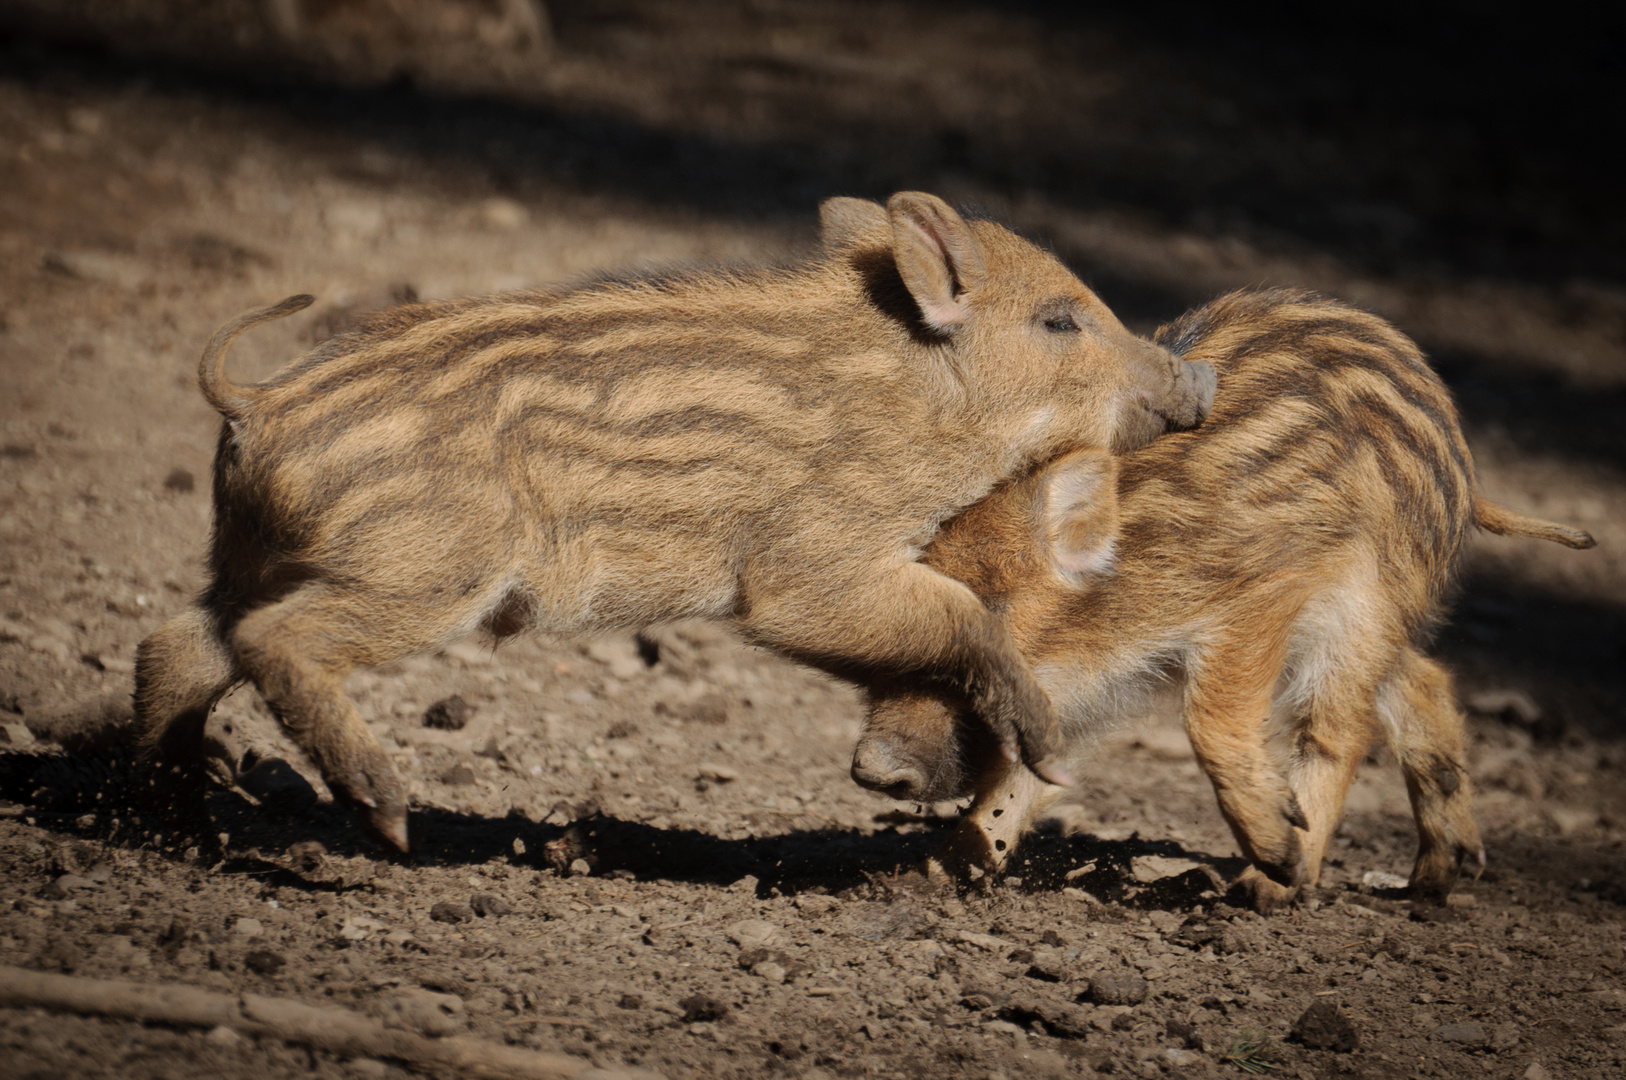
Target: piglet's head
{"x":1020,"y":332}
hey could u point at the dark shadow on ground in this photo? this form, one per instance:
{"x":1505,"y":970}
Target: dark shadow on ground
{"x":84,"y":796}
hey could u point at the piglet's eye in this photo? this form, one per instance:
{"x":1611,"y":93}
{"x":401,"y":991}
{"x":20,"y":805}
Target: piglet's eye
{"x":1061,"y":324}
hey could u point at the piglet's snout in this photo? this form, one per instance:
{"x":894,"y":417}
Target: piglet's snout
{"x":1178,"y":392}
{"x":880,"y":766}
{"x":1197,"y":382}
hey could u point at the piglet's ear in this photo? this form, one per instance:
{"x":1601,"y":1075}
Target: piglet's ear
{"x":844,"y":221}
{"x":1079,"y":516}
{"x":936,"y":255}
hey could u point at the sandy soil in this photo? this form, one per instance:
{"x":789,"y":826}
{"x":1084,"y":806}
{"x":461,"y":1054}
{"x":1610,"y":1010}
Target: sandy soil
{"x":646,"y":851}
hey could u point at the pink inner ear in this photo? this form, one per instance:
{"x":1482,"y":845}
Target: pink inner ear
{"x":1086,"y":560}
{"x":943,"y":315}
{"x":1081,"y":517}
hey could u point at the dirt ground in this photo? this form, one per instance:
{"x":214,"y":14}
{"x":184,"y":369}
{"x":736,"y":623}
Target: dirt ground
{"x":646,"y":850}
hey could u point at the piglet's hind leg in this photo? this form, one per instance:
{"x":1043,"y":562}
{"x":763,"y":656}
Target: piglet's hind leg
{"x":298,"y":652}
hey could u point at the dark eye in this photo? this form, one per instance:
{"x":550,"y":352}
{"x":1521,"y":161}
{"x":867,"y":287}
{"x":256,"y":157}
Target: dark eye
{"x":1061,"y":324}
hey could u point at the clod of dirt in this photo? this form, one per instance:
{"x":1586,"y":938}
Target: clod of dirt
{"x":458,"y":776}
{"x":450,"y":913}
{"x":1468,"y":1033}
{"x":772,"y":965}
{"x":248,"y":927}
{"x":1324,"y":1026}
{"x":306,"y":857}
{"x":17,"y":735}
{"x":1195,"y":935}
{"x":59,"y":954}
{"x":752,"y":933}
{"x":710,"y":709}
{"x":1186,"y":1034}
{"x":1046,"y":966}
{"x":264,"y":962}
{"x":180,"y":481}
{"x":702,"y":1009}
{"x":448,"y":714}
{"x":72,"y":857}
{"x":1061,"y":1020}
{"x":65,"y":886}
{"x":631,"y":1001}
{"x":426,"y":1012}
{"x":568,"y":849}
{"x":1433,"y":913}
{"x":1117,"y":988}
{"x":977,"y":997}
{"x":484,"y":904}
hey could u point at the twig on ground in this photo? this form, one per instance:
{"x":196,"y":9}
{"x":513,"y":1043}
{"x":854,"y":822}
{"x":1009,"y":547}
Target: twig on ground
{"x":330,"y":1028}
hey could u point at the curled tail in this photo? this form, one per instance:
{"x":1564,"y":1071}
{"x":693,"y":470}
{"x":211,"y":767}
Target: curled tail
{"x":229,"y":400}
{"x":1504,"y":522}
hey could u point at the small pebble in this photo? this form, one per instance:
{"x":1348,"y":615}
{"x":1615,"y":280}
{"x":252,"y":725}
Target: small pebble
{"x":248,"y":927}
{"x":264,"y":962}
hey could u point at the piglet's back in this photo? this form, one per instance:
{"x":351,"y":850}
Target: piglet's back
{"x":1331,"y":444}
{"x":572,"y":426}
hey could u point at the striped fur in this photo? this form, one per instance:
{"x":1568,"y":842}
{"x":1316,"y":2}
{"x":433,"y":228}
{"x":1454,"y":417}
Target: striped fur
{"x":769,"y":446}
{"x":1284,"y":567}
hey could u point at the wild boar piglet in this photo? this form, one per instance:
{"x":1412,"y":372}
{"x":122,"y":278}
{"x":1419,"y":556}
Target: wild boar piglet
{"x":1282,"y":569}
{"x":770,"y":446}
